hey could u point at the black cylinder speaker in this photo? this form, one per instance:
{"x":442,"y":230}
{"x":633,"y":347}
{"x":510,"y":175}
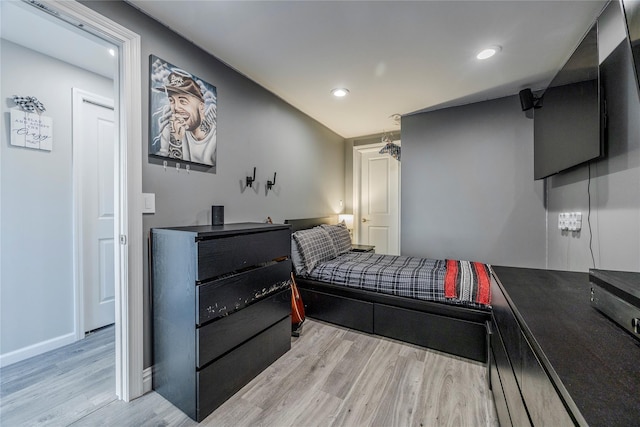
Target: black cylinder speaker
{"x":217,"y":215}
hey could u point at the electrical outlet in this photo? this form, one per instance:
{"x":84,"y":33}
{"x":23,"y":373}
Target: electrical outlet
{"x":575,"y":221}
{"x":570,"y":221}
{"x":562,"y":221}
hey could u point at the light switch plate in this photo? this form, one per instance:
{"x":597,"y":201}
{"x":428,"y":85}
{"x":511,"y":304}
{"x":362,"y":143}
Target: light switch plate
{"x":148,"y":203}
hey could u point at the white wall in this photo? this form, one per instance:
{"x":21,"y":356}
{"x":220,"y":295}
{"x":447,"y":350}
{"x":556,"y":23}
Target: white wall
{"x":36,"y":292}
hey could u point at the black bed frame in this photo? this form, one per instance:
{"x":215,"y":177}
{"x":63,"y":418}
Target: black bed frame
{"x":457,"y":330}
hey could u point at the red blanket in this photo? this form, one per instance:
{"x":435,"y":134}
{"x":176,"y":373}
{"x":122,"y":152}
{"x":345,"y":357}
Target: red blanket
{"x":468,"y":281}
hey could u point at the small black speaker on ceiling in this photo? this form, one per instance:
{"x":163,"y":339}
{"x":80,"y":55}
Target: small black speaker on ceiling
{"x":217,"y":215}
{"x":526,"y":99}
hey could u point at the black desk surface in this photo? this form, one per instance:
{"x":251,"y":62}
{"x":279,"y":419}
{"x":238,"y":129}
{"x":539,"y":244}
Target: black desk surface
{"x":596,"y":360}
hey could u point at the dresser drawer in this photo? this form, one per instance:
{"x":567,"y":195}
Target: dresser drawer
{"x":343,"y":311}
{"x":220,"y":380}
{"x":387,"y":324}
{"x":220,"y":336}
{"x":224,"y":296}
{"x":222,"y":255}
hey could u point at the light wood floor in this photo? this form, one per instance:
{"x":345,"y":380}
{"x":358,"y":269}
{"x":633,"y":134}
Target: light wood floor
{"x":331,"y":377}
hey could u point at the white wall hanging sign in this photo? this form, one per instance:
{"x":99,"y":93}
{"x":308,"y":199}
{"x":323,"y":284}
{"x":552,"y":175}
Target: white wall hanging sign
{"x":31,"y":130}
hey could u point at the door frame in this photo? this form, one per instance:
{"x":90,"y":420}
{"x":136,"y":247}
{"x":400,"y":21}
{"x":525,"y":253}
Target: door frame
{"x":128,"y":255}
{"x":358,"y":150}
{"x":79,"y":97}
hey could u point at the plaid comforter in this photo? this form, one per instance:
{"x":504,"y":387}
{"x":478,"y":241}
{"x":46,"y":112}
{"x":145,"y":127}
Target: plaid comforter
{"x":411,"y":277}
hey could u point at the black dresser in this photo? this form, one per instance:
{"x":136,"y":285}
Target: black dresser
{"x":221,"y":309}
{"x":554,"y":359}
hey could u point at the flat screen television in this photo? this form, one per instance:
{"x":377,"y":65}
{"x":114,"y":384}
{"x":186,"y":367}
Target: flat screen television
{"x":631,"y":10}
{"x":567,"y":126}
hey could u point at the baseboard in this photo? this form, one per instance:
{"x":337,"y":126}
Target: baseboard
{"x":36,"y":349}
{"x":147,"y":380}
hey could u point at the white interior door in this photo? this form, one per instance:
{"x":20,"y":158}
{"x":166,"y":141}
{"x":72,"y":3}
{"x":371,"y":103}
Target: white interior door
{"x":379,"y":205}
{"x":95,"y":147}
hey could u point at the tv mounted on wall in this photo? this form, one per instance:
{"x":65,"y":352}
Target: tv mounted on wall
{"x":631,"y":10}
{"x":567,"y":125}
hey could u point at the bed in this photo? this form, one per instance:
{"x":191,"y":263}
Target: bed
{"x":434,"y":308}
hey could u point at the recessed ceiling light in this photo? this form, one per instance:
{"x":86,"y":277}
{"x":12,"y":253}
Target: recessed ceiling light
{"x":112,"y":52}
{"x":488,"y":52}
{"x":340,"y":92}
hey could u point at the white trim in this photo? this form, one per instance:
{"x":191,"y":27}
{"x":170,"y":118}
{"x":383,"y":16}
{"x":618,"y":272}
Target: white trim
{"x":358,"y":150}
{"x":128,"y":209}
{"x":147,"y":380}
{"x":36,"y":349}
{"x":357,"y":159}
{"x":79,"y":96}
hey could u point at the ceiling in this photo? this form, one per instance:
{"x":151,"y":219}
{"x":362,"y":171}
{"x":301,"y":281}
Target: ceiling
{"x":395,"y":57}
{"x":53,"y":37}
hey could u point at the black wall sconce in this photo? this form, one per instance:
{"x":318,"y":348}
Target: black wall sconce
{"x":250,"y":180}
{"x":270,"y":184}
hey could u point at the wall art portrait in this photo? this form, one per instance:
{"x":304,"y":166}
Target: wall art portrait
{"x":183,"y":111}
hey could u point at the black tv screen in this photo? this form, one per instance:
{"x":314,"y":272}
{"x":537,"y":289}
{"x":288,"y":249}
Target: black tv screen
{"x":631,"y":9}
{"x":567,"y":127}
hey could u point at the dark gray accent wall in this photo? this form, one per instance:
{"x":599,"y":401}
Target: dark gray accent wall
{"x":467,"y":185}
{"x":255,"y":129}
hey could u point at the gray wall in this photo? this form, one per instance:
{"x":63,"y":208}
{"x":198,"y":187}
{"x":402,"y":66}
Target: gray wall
{"x":467,"y":185}
{"x":37,"y":295}
{"x":615,"y":180}
{"x":255,"y":128}
{"x":468,"y":190}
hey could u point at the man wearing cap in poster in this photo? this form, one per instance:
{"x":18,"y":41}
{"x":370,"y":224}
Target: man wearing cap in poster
{"x":190,"y":134}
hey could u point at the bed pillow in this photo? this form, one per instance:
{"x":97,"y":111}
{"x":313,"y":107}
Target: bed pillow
{"x":296,"y":259}
{"x":315,"y":245}
{"x":340,"y":236}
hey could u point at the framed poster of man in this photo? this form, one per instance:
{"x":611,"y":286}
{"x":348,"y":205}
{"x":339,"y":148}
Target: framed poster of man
{"x":183,"y":110}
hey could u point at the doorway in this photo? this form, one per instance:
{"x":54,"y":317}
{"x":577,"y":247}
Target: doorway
{"x":94,"y":149}
{"x":376,"y":192}
{"x":127,"y":252}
